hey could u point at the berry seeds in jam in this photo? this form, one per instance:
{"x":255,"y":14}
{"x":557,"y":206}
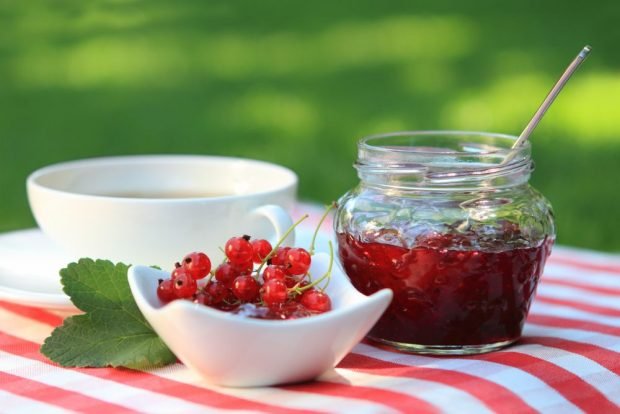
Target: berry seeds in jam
{"x":446,"y":299}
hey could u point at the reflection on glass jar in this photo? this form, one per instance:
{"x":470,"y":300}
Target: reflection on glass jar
{"x":458,"y":235}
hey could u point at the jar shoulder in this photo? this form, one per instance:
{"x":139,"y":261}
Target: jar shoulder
{"x":492,"y":214}
{"x":363,"y":198}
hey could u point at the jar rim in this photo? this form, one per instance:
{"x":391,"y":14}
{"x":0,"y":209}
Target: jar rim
{"x":363,"y":143}
{"x":442,"y":157}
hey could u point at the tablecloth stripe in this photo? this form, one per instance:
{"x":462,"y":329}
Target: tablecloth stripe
{"x":562,"y":322}
{"x":102,"y":379}
{"x":434,"y":393}
{"x":492,"y":395}
{"x":57,"y":396}
{"x":579,"y":264}
{"x":587,"y":307}
{"x":536,"y":393}
{"x":587,"y":354}
{"x":600,"y":288}
{"x":579,"y":336}
{"x":17,"y":404}
{"x":328,"y":402}
{"x":99,"y":388}
{"x":594,"y":278}
{"x":570,"y":312}
{"x":36,"y":314}
{"x":586,"y":369}
{"x":606,"y":361}
{"x":568,"y":293}
{"x":589,"y":302}
{"x":390,"y":398}
{"x":571,"y":386}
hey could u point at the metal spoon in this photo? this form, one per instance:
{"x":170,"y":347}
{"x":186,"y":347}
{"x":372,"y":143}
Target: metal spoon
{"x":548,"y":101}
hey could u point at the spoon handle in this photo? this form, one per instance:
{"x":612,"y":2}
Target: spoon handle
{"x":551,"y":96}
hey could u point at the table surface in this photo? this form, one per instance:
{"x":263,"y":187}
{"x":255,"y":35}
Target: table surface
{"x":567,"y":361}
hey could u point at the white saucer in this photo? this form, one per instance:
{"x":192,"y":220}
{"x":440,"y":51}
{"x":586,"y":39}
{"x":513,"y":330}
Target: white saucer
{"x":29,"y":266}
{"x":30,"y":262}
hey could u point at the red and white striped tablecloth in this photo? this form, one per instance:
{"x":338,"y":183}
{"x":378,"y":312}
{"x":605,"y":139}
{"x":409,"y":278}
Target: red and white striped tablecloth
{"x":568,"y":361}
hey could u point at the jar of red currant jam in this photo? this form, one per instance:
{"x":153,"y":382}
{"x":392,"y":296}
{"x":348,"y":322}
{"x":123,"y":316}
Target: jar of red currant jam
{"x":449,"y":222}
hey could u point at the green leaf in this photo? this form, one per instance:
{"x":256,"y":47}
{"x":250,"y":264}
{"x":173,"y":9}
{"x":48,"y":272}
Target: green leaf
{"x":112,"y":331}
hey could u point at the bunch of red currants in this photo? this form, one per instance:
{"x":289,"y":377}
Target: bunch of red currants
{"x":255,"y":280}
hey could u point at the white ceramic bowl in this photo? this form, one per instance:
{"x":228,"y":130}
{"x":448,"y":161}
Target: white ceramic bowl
{"x":230,"y":350}
{"x":133,"y":209}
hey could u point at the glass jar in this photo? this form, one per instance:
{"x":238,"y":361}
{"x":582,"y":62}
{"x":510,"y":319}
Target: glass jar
{"x":449,"y":222}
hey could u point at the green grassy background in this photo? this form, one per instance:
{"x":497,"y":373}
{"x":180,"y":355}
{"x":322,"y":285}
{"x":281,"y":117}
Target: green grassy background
{"x":298,"y":83}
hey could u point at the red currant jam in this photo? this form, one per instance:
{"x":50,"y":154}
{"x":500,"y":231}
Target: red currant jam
{"x":446,"y":297}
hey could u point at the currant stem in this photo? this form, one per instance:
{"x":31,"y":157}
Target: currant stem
{"x":297,"y":289}
{"x":318,"y":226}
{"x":328,"y":273}
{"x":275,"y":248}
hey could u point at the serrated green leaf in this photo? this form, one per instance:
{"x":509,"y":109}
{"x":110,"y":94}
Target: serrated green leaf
{"x":112,"y":332}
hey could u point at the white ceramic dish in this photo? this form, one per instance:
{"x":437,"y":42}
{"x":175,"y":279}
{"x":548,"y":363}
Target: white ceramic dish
{"x":230,"y":350}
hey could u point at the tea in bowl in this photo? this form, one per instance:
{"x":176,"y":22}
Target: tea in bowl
{"x":152,"y":209}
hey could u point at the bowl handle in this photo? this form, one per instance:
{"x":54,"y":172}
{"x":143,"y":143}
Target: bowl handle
{"x":280,"y":219}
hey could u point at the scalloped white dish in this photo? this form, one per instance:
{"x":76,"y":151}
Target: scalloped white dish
{"x":232,"y":350}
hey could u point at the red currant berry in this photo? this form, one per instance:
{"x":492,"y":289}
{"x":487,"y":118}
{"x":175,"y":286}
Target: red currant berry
{"x":297,"y":261}
{"x":279,"y":258}
{"x":246,"y":288}
{"x":226,"y":273}
{"x":244,"y":268}
{"x":316,"y":301}
{"x":165,"y":290}
{"x":273,"y":272}
{"x":261,"y":249}
{"x":203,"y":298}
{"x":197,"y":265}
{"x":218,"y":292}
{"x":239,"y":250}
{"x":184,"y":286}
{"x":178,"y":270}
{"x":274,"y":292}
{"x":291,"y":281}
